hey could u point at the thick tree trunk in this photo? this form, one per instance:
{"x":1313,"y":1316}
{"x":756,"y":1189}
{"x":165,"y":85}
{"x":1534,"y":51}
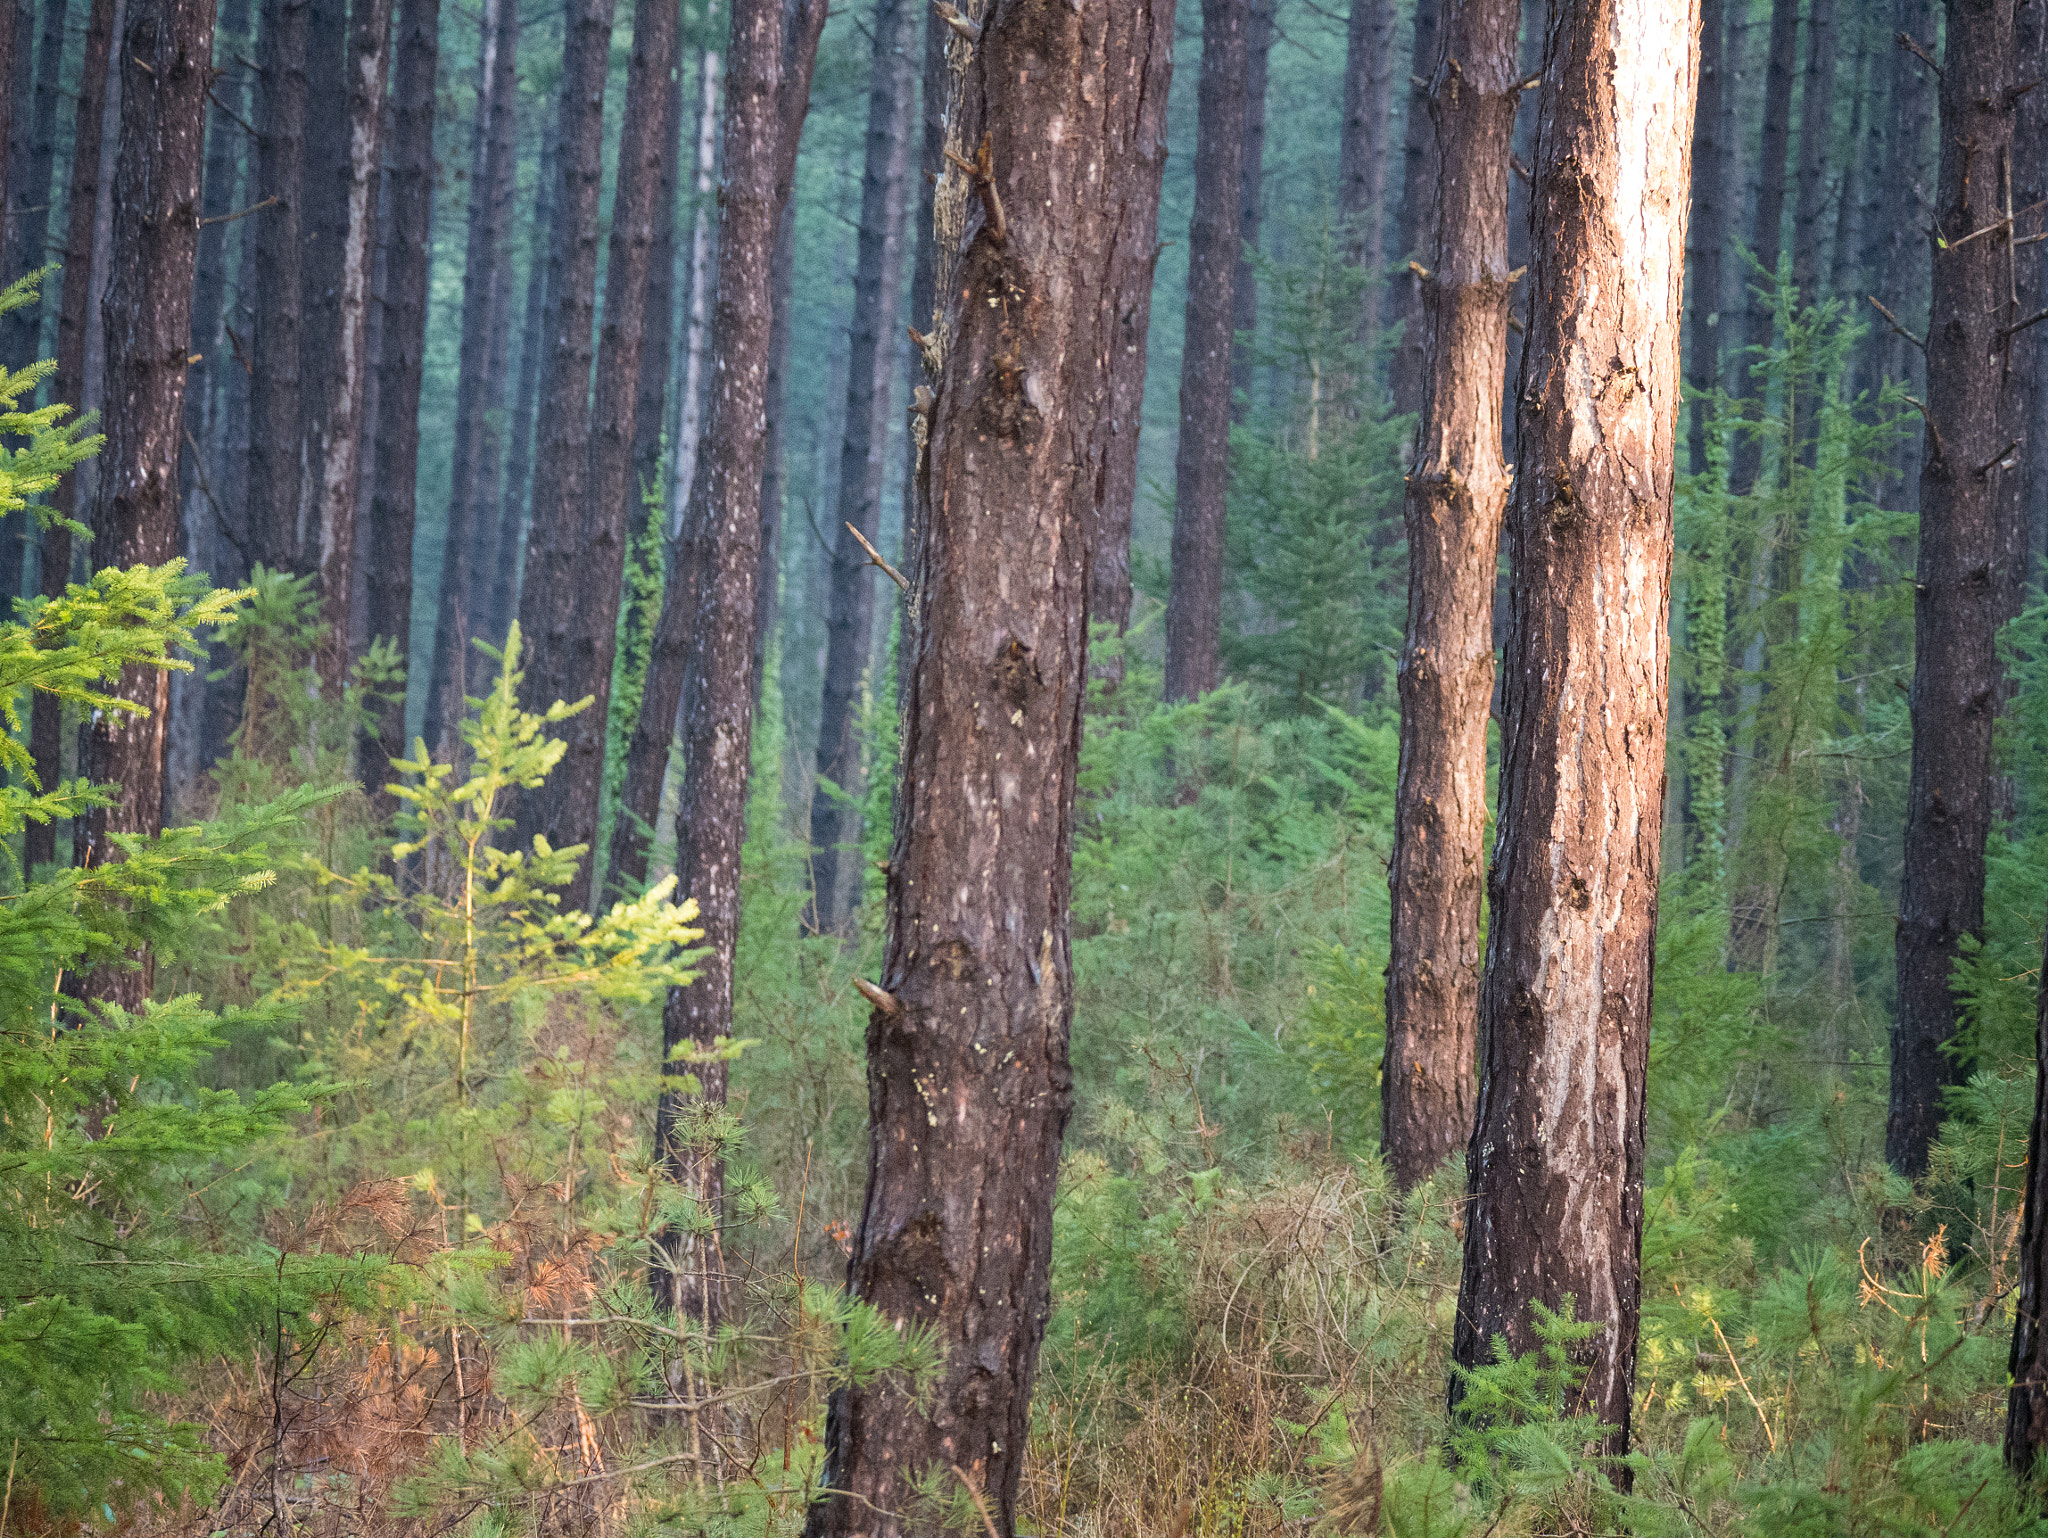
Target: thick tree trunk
{"x":1708,"y":227}
{"x":1816,"y":136}
{"x":511,"y":540}
{"x":408,"y":269}
{"x":1404,"y":297}
{"x":1251,"y":202}
{"x":92,"y":167}
{"x":274,"y":383}
{"x":968,"y":1081}
{"x":166,"y":65}
{"x":850,"y":613}
{"x":1456,"y":493}
{"x":1201,"y":471}
{"x":2030,"y":275}
{"x":32,"y":222}
{"x":1556,"y":1160}
{"x":1766,"y":239}
{"x":1958,"y":580}
{"x":472,"y":507}
{"x":1362,"y":155}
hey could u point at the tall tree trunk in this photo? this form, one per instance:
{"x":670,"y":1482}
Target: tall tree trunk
{"x":1362,"y":155}
{"x":1911,"y":157}
{"x":511,"y":540}
{"x":1456,"y":493}
{"x":1708,"y":227}
{"x":850,"y":615}
{"x":1244,"y":292}
{"x":92,"y":165}
{"x":2031,"y":284}
{"x":323,"y":236}
{"x":1766,"y":240}
{"x":166,"y":65}
{"x":2026,"y":1415}
{"x":1417,"y":201}
{"x":1201,"y":471}
{"x":1816,"y":135}
{"x":697,"y":320}
{"x":658,"y":357}
{"x":973,"y":1013}
{"x":1556,"y":1159}
{"x":274,"y":382}
{"x":1958,"y":580}
{"x":478,"y":387}
{"x":408,"y":270}
{"x":38,"y":192}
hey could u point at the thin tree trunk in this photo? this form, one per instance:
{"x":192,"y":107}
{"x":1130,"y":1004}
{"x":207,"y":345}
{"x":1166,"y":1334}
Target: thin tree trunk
{"x":408,"y":270}
{"x":1362,"y":156}
{"x":274,"y":383}
{"x":1456,"y":493}
{"x":506,"y":549}
{"x":697,"y":323}
{"x":1958,"y":581}
{"x":323,"y":238}
{"x":1556,"y":1159}
{"x":1911,"y":158}
{"x":1711,"y":217}
{"x":1201,"y":472}
{"x":1857,"y":166}
{"x":91,"y":167}
{"x":1766,"y":240}
{"x":166,"y":65}
{"x":850,"y":613}
{"x":658,"y":358}
{"x":2026,"y":1415}
{"x":972,"y":1017}
{"x":32,"y":227}
{"x":1816,"y":135}
{"x":1417,"y":201}
{"x":1244,"y":292}
{"x":478,"y":394}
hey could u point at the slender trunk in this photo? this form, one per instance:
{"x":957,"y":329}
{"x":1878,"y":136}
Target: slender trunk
{"x":1556,"y":1159}
{"x":1958,"y":581}
{"x":204,"y":384}
{"x":850,"y":612}
{"x":32,"y":227}
{"x":1244,"y":292}
{"x":323,"y":236}
{"x":1816,"y":135}
{"x":1417,"y":200}
{"x":17,"y":40}
{"x":697,"y":323}
{"x":274,"y":382}
{"x":1362,"y":155}
{"x":1766,"y":240}
{"x":166,"y":65}
{"x":1201,"y":471}
{"x":1856,"y":169}
{"x":1911,"y":158}
{"x":1709,"y":230}
{"x":511,"y":540}
{"x":976,"y":1000}
{"x":227,"y":685}
{"x":408,"y":271}
{"x":91,"y":167}
{"x":2031,"y":281}
{"x":494,"y":465}
{"x":1456,"y":493}
{"x":2026,"y":1417}
{"x":658,"y":358}
{"x":477,"y":389}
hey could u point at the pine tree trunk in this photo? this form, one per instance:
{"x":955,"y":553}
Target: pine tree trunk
{"x":697,"y":320}
{"x":1404,"y":295}
{"x":1958,"y":581}
{"x":1816,"y":133}
{"x":1456,"y":493}
{"x":1911,"y":155}
{"x":2030,"y":143}
{"x":1556,"y":1159}
{"x":1766,"y":240}
{"x":956,"y":1229}
{"x":2026,"y":1415}
{"x":1244,"y":291}
{"x":1362,"y":156}
{"x":166,"y":65}
{"x":1201,"y":471}
{"x":32,"y":226}
{"x":478,"y":387}
{"x":403,"y":366}
{"x":1711,"y":217}
{"x":91,"y":166}
{"x":274,"y":384}
{"x":864,"y":445}
{"x":1109,"y":576}
{"x":511,"y":540}
{"x":658,"y":356}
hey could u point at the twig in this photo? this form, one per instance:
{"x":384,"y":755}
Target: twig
{"x":981,"y":170}
{"x":988,"y":1521}
{"x":8,"y":1501}
{"x":875,"y":558}
{"x":1927,"y":417}
{"x":253,"y":208}
{"x":881,"y":998}
{"x":1739,"y":1378}
{"x":230,"y":113}
{"x":1992,"y":463}
{"x":1917,"y":51}
{"x":2034,"y":319}
{"x":1893,"y":321}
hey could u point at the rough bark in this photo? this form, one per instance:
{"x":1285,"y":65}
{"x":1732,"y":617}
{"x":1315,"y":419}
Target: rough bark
{"x":2026,"y":1415}
{"x":506,"y":550}
{"x":166,"y":65}
{"x":408,"y":269}
{"x":1556,"y":1160}
{"x":1362,"y":155}
{"x":1109,"y":595}
{"x":1404,"y":295}
{"x":1251,"y":202}
{"x":1201,"y":471}
{"x":478,"y":386}
{"x":697,"y":320}
{"x":91,"y":163}
{"x":1958,"y":578}
{"x":864,"y":443}
{"x":274,"y":384}
{"x":658,"y":355}
{"x":1709,"y":232}
{"x":968,"y":1080}
{"x":1456,"y":493}
{"x":1766,"y":239}
{"x":1906,"y":211}
{"x":38,"y":192}
{"x":1816,"y":136}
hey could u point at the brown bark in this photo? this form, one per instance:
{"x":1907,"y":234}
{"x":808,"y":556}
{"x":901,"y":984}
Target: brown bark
{"x":1556,"y":1160}
{"x":1958,"y":579}
{"x":203,"y":385}
{"x":1766,"y":240}
{"x":850,"y":608}
{"x":1244,"y":292}
{"x":1404,"y":295}
{"x":472,"y":503}
{"x":2026,"y":1415}
{"x":2030,"y":359}
{"x":968,"y":1080}
{"x":1906,"y":209}
{"x":91,"y":163}
{"x":1456,"y":493}
{"x":1816,"y":135}
{"x":1362,"y":154}
{"x":402,"y":368}
{"x":166,"y":65}
{"x":511,"y":539}
{"x":1109,"y":594}
{"x":1201,"y":471}
{"x":1708,"y":227}
{"x":274,"y":384}
{"x":658,"y":355}
{"x":31,"y":226}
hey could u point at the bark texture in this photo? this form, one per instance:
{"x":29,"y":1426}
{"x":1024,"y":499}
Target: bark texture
{"x":968,"y":1080}
{"x":2026,"y":1414}
{"x":1766,"y":239}
{"x":1708,"y":228}
{"x":166,"y":64}
{"x":1251,"y":203}
{"x":1556,"y":1161}
{"x":1201,"y":470}
{"x":871,"y":357}
{"x":1816,"y":144}
{"x":1957,"y":581}
{"x":1404,"y":295}
{"x":697,"y":319}
{"x":658,"y":354}
{"x":274,"y":384}
{"x":1362,"y":153}
{"x":511,"y":540}
{"x":1456,"y":494}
